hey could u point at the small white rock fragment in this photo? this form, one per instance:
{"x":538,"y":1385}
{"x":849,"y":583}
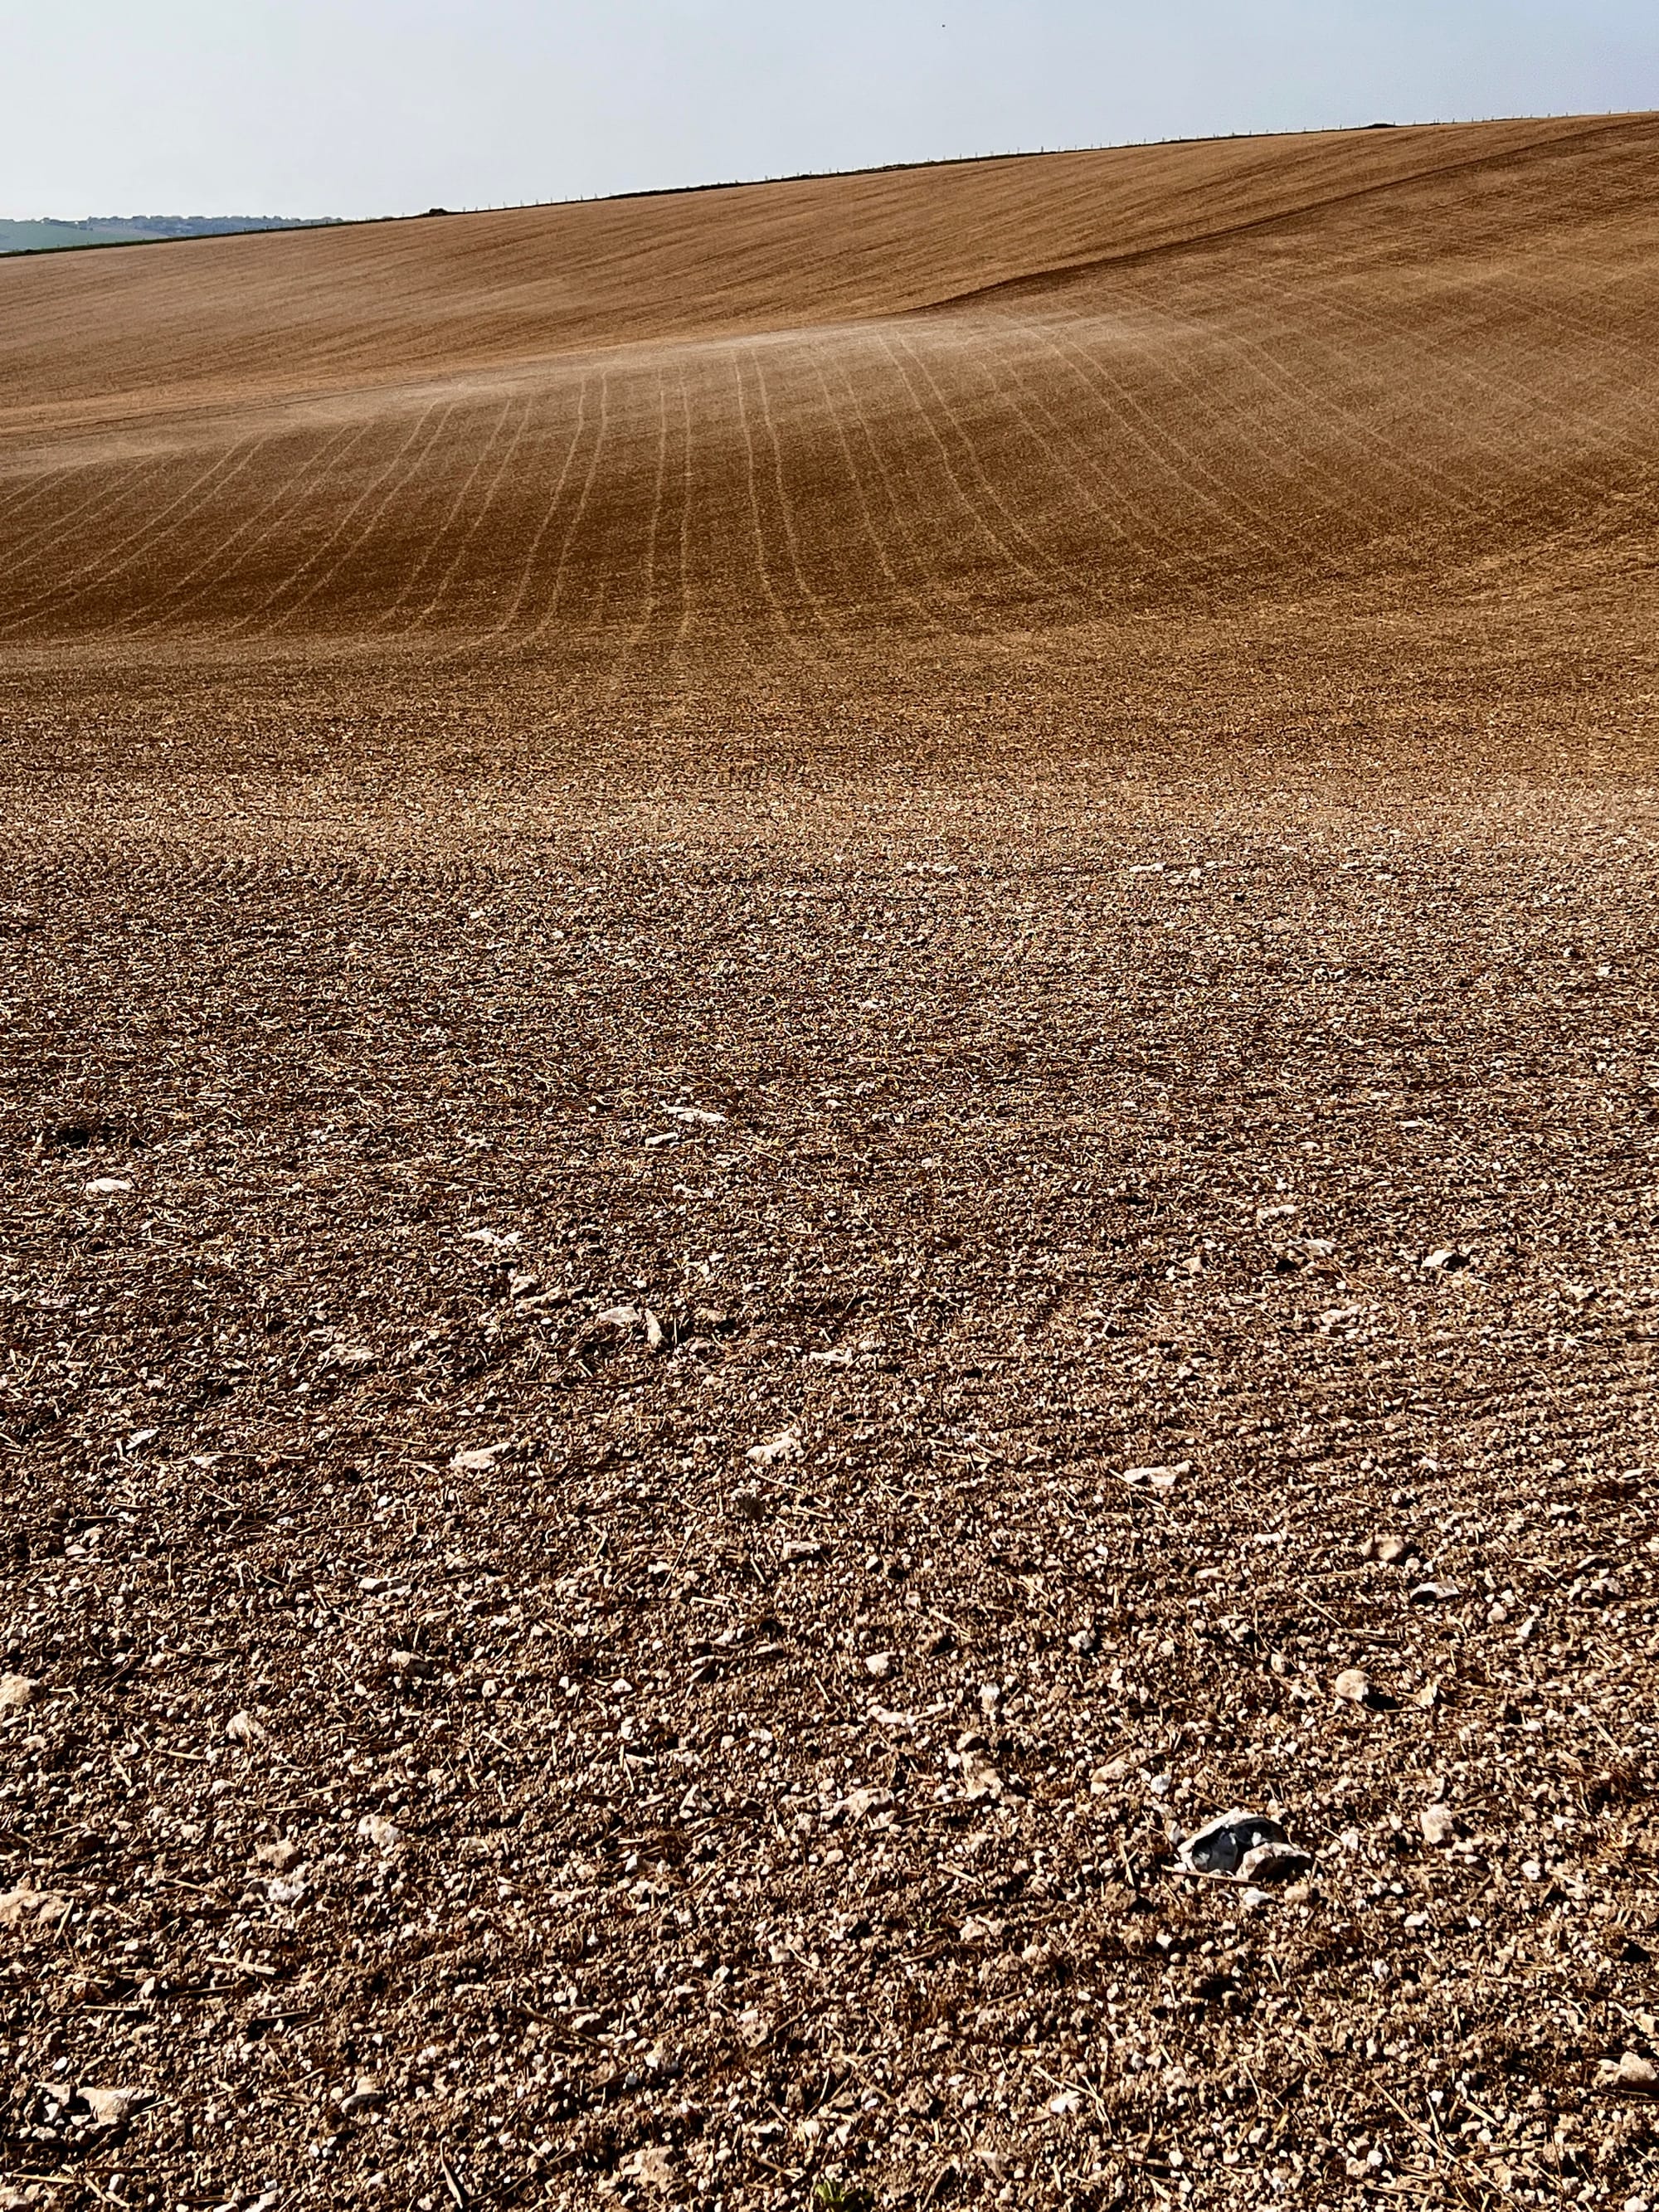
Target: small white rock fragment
{"x":1438,"y":1824}
{"x":16,"y":1691}
{"x":1633,"y":2075}
{"x":1433,"y":1592}
{"x":481,"y":1460}
{"x":786,"y":1445}
{"x":860,"y":1802}
{"x":1273,"y":1861}
{"x":651,"y":2166}
{"x":351,"y":1358}
{"x":878,"y":1665}
{"x":106,"y":1186}
{"x":24,"y":1907}
{"x":242,"y":1727}
{"x":109,"y":2107}
{"x":1157,"y":1478}
{"x":1353,"y":1686}
{"x":385,"y":1835}
{"x":980,"y":1780}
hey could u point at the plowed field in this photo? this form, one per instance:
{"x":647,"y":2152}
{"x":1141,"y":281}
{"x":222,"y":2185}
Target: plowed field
{"x":831,"y":1082}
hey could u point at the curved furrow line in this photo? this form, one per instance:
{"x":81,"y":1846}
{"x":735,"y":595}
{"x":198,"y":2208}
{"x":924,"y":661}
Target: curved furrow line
{"x":846,"y":541}
{"x":682,"y":579}
{"x":976,"y":518}
{"x":752,"y":492}
{"x":527,"y":567}
{"x":1482,"y":434}
{"x":278,"y":507}
{"x":809,"y":598}
{"x":1052,"y":486}
{"x":1043,"y":573}
{"x":396,"y":490}
{"x":1231,"y":512}
{"x":420,"y":621}
{"x":1194,"y":392}
{"x":906,"y":515}
{"x":1205,"y":348}
{"x":38,"y":484}
{"x":295,"y":575}
{"x":109,"y":561}
{"x":549,"y":612}
{"x":622,"y":540}
{"x":1355,"y":422}
{"x":1120,"y":516}
{"x":628,"y":647}
{"x":722,"y":588}
{"x":452,"y":514}
{"x":1342,"y":487}
{"x":38,"y":547}
{"x":918,"y":607}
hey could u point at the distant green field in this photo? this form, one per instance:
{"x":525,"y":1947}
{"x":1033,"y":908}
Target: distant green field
{"x":48,"y":236}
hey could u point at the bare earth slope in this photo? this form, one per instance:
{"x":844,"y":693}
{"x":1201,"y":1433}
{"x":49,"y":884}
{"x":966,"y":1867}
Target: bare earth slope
{"x":831,"y":1034}
{"x":1174,"y":377}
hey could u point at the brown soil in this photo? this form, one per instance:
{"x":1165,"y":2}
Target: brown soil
{"x":714,"y":908}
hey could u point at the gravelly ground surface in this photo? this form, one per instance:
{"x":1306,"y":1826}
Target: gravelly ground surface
{"x":584,"y":1335}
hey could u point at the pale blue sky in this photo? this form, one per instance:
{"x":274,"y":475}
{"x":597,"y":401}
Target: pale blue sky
{"x":381,"y":107}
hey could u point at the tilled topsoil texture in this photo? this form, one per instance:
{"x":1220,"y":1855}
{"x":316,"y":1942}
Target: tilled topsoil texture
{"x":587,"y":1619}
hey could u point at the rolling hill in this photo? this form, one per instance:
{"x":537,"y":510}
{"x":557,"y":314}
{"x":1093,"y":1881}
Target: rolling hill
{"x":932,"y":401}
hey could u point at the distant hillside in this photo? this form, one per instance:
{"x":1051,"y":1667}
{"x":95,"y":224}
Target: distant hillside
{"x":47,"y":235}
{"x":992,"y":397}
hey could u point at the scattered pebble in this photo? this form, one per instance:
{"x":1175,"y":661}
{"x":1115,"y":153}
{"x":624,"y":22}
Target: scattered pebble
{"x":109,"y":2107}
{"x":786,"y":1445}
{"x":1632,"y":2076}
{"x":1439,"y":1824}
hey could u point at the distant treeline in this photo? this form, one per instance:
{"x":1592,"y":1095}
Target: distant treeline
{"x":45,"y":235}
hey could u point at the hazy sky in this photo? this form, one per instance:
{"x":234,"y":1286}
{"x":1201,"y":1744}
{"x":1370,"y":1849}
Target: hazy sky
{"x":381,"y":107}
